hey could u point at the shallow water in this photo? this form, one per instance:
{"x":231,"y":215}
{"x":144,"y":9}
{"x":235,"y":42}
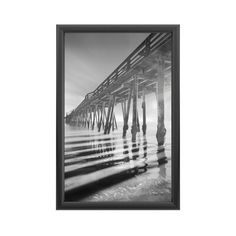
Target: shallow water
{"x":108,"y":167}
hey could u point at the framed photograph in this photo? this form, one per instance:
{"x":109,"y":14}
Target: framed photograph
{"x":117,"y":120}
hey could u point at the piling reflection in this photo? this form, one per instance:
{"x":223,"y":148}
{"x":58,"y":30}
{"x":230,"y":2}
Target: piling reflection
{"x":161,"y":155}
{"x":145,"y":153}
{"x":162,"y":161}
{"x":144,"y":146}
{"x":99,"y":155}
{"x":135,"y":150}
{"x":106,"y":157}
{"x":162,"y":171}
{"x":126,"y":149}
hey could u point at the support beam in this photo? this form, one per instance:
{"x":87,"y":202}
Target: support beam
{"x":101,"y":117}
{"x":109,"y":115}
{"x":87,"y":111}
{"x":84,"y":114}
{"x":138,"y":126}
{"x":80,"y":117}
{"x":134,"y":128}
{"x":86,"y":117}
{"x":94,"y":117}
{"x":161,"y":130}
{"x":83,"y":119}
{"x":114,"y":124}
{"x":104,"y":117}
{"x":126,"y":118}
{"x":123,"y":107}
{"x":90,"y":118}
{"x":77,"y":121}
{"x":144,"y":127}
{"x":98,"y":117}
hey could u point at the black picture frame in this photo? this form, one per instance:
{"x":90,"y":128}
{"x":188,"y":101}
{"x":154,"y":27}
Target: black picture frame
{"x":60,"y":32}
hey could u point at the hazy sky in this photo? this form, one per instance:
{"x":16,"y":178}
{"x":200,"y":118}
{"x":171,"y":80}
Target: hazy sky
{"x":91,"y":57}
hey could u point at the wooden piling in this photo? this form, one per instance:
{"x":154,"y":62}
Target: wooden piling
{"x":82,"y":118}
{"x":138,"y":126}
{"x":101,"y":117}
{"x":144,"y":126}
{"x":115,"y":123}
{"x":94,"y":117}
{"x":126,"y":113}
{"x":104,"y":116}
{"x":77,"y":121}
{"x":90,"y":117}
{"x":84,"y":121}
{"x":106,"y":130}
{"x":98,"y":117}
{"x":111,"y":114}
{"x":86,"y":118}
{"x":161,"y":130}
{"x":96,"y":113}
{"x":134,"y":128}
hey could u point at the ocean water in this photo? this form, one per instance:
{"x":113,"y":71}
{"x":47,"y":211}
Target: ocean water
{"x":100,"y":167}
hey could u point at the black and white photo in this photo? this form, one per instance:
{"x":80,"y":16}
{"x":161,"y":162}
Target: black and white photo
{"x":118,"y":114}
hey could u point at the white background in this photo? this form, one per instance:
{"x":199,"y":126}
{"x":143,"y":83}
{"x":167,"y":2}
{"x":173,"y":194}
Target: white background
{"x":28,"y":111}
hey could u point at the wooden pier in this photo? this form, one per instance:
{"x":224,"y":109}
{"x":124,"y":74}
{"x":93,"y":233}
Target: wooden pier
{"x":141,"y":73}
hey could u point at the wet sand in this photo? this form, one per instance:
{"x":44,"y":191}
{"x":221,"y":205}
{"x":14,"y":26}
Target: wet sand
{"x":153,"y":185}
{"x":102,"y":167}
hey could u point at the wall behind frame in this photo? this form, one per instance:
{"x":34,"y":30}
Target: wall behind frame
{"x":28,"y":105}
